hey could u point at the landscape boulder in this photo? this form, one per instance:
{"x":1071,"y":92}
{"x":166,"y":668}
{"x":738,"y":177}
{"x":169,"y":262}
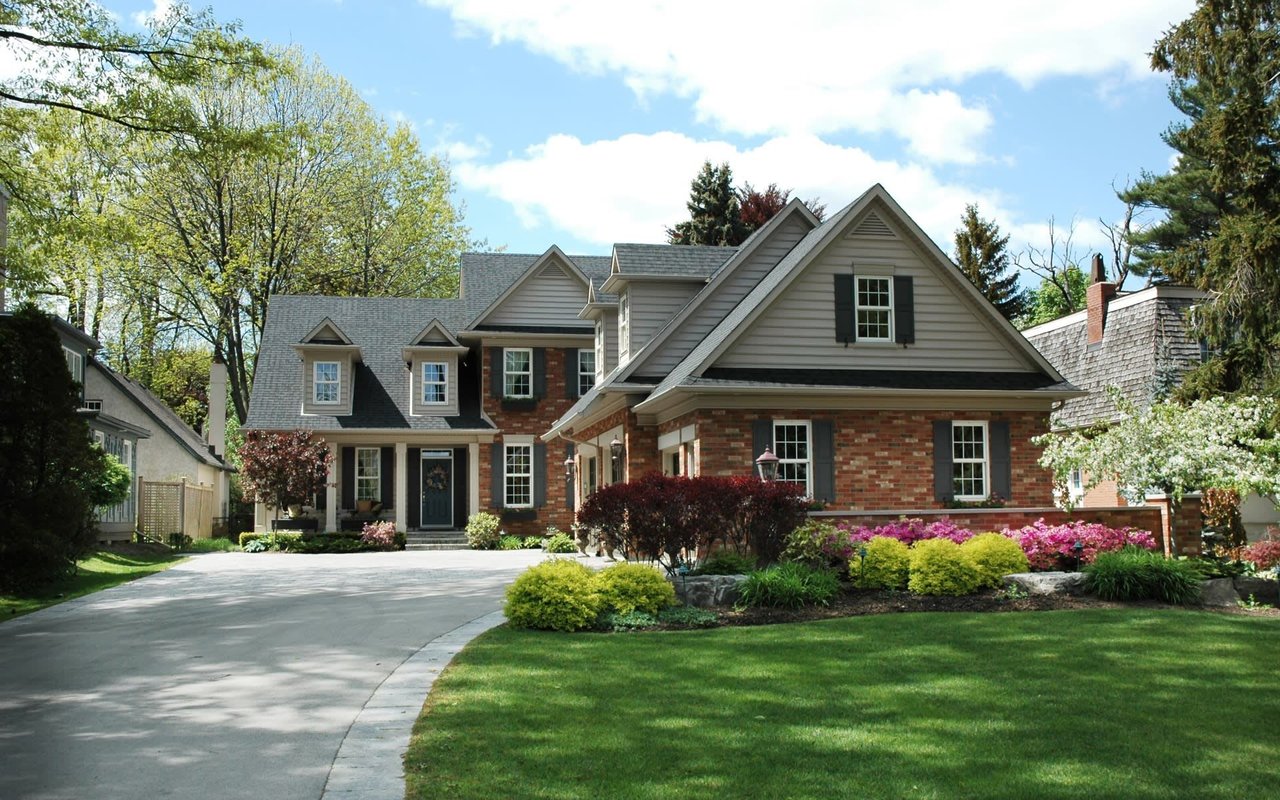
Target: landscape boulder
{"x":1047,"y":582}
{"x":708,"y":591}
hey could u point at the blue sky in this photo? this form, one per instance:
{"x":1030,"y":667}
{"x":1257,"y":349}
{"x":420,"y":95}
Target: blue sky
{"x":581,"y":123}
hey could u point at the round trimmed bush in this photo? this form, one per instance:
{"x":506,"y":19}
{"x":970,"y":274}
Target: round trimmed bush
{"x":626,"y":588}
{"x":559,"y":543}
{"x":995,"y":555}
{"x":886,"y":564}
{"x":558,"y":595}
{"x":483,"y":531}
{"x":939,"y":566}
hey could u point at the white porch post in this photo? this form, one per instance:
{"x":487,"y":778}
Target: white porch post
{"x":331,"y":490}
{"x":473,"y":479}
{"x":402,"y":486}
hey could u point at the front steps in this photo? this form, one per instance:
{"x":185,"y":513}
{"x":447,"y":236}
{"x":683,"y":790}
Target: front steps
{"x":435,"y":540}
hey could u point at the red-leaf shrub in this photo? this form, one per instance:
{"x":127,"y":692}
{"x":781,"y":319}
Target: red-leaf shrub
{"x":1264,"y":554}
{"x":283,"y":468}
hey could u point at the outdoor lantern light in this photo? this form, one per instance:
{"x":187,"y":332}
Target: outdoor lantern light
{"x":615,"y":447}
{"x":767,"y":465}
{"x":568,"y":467}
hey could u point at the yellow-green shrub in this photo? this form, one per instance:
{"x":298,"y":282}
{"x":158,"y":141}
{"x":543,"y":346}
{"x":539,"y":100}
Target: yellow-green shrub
{"x":625,"y":588}
{"x":886,"y":564}
{"x":249,"y":536}
{"x":995,"y":555}
{"x":939,"y":566}
{"x":557,"y":595}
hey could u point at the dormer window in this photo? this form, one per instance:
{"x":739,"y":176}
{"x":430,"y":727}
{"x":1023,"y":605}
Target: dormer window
{"x":874,"y":309}
{"x":517,"y":372}
{"x":435,"y":383}
{"x":326,"y":382}
{"x":75,"y":364}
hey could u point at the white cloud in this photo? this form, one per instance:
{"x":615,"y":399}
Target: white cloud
{"x":754,"y":68}
{"x":160,"y":9}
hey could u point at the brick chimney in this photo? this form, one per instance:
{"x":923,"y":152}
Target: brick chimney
{"x":216,"y":428}
{"x":1098,"y":295}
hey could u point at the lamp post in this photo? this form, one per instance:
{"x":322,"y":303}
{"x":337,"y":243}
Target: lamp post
{"x":568,"y":468}
{"x":616,"y":448}
{"x":767,"y":465}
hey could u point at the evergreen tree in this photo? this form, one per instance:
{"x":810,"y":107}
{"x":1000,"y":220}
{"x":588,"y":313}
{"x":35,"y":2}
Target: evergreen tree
{"x":981,"y":254}
{"x":715,"y":214}
{"x":1221,"y":232}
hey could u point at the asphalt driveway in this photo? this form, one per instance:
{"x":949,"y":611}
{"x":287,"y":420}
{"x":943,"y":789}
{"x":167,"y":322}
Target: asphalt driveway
{"x":232,"y":675}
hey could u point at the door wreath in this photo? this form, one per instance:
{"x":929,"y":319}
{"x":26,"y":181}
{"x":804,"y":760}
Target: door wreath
{"x":436,"y":479}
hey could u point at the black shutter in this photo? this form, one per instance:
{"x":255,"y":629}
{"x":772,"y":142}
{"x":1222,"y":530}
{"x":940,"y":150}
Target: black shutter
{"x":496,"y":486}
{"x":904,"y":310}
{"x":569,"y":483}
{"x":539,"y":372}
{"x":943,"y":481}
{"x":460,"y":494}
{"x":413,"y":479}
{"x":761,"y":437}
{"x":495,"y":372}
{"x":1001,"y":460}
{"x":348,"y":499}
{"x":845,"y":331}
{"x":824,"y":461}
{"x":388,"y":477}
{"x":571,"y":373}
{"x":539,"y":474}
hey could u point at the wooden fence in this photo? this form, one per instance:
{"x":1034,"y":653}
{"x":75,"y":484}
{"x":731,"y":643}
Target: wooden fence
{"x":166,"y":508}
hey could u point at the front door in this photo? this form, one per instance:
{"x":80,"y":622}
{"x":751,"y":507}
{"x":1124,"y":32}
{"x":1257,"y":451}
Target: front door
{"x":437,"y":489}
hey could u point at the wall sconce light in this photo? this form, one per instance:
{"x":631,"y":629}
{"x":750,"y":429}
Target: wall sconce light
{"x":568,"y":468}
{"x":616,"y":448}
{"x":767,"y":465}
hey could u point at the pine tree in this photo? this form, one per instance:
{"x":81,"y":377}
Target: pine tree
{"x":1222,"y":198}
{"x":715,"y":214}
{"x":981,"y":254}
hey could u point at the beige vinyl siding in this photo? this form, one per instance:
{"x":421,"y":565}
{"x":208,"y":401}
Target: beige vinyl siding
{"x":652,"y":304}
{"x":450,"y":407}
{"x":798,"y":328}
{"x":343,"y":406}
{"x":714,"y":308}
{"x":551,"y":296}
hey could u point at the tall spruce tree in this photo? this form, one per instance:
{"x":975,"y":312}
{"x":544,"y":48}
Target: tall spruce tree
{"x":1221,"y":232}
{"x":715,"y":214}
{"x":982,"y":257}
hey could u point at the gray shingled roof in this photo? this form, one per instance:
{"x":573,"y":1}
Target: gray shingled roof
{"x":1139,"y":341}
{"x":671,"y":259}
{"x":380,"y":327}
{"x":485,"y":276}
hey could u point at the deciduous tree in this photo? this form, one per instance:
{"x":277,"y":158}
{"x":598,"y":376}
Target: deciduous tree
{"x":282,"y":468}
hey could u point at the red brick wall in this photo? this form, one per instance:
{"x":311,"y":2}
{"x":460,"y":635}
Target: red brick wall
{"x":641,"y":442}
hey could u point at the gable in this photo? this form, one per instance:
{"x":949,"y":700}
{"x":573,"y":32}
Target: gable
{"x":551,"y":294}
{"x":434,"y":334}
{"x":796,"y":329}
{"x":326,"y":332}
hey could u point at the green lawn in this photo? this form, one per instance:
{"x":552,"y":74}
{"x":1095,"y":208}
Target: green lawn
{"x":102,"y":570}
{"x":1071,"y":704}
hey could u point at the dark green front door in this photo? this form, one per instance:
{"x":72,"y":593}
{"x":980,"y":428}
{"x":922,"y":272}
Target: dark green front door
{"x":437,"y":489}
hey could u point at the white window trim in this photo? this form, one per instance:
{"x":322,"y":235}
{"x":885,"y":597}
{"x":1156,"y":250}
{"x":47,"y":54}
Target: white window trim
{"x":808,"y":448}
{"x":985,"y":460}
{"x":859,"y":307}
{"x":600,"y":348}
{"x":376,"y":476}
{"x":506,"y":373}
{"x":444,"y":382}
{"x":507,"y":475}
{"x":75,"y":364}
{"x":624,"y":324}
{"x":315,"y":383}
{"x":582,"y":374}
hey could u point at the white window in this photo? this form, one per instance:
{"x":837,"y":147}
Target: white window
{"x":600,"y":348}
{"x":969,"y":460}
{"x":368,"y":473}
{"x":325,"y":384}
{"x":517,"y":372}
{"x":1075,"y":485}
{"x":75,"y":364}
{"x":792,"y":447}
{"x":874,"y":309}
{"x":624,"y":324}
{"x":586,"y":371}
{"x":435,"y":383}
{"x":518,"y":476}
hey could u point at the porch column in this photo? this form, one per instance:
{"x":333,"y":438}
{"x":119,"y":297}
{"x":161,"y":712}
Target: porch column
{"x":331,"y":490}
{"x":473,"y":479}
{"x":402,"y":486}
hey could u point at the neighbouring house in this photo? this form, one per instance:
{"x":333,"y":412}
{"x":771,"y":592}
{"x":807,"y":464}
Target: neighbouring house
{"x":853,"y":349}
{"x":1141,"y":343}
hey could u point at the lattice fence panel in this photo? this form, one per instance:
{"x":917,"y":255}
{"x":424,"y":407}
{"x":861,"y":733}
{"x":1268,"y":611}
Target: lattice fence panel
{"x":159,"y":509}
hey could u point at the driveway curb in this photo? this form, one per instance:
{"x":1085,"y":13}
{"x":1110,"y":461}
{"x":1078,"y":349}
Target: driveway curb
{"x":370,"y":760}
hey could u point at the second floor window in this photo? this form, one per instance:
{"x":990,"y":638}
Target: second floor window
{"x":874,"y":309}
{"x":586,"y":371}
{"x":517,"y":372}
{"x":325,"y":384}
{"x":75,"y":364}
{"x":435,"y":383}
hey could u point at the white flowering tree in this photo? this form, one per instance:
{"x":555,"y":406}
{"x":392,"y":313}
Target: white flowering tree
{"x":1218,"y":443}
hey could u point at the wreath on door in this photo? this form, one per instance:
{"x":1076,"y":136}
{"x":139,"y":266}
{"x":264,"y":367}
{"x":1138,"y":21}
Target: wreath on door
{"x":436,"y":479}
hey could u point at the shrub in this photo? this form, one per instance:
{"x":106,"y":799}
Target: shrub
{"x":624,"y":588}
{"x":1053,"y":546}
{"x":532,"y":543}
{"x":631,"y":621}
{"x":554,"y":595}
{"x":284,"y":541}
{"x":939,"y":566}
{"x":334,"y":543}
{"x":820,"y":544}
{"x":909,"y":531}
{"x":559,"y":543}
{"x":249,"y":536}
{"x":211,"y":546}
{"x":1136,"y":574}
{"x":1263,"y":554}
{"x":255,"y":545}
{"x":725,"y":562}
{"x":483,"y":531}
{"x":790,"y":584}
{"x":884,"y":564}
{"x":510,"y":543}
{"x":379,"y":535}
{"x":995,"y":555}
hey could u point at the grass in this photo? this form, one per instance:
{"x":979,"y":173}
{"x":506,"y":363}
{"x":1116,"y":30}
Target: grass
{"x":1074,"y":704}
{"x":102,"y":570}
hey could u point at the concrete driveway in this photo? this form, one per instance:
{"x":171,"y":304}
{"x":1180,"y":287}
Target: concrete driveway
{"x":231,"y":675}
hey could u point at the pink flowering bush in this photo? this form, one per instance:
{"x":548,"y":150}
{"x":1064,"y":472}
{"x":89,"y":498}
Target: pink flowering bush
{"x":909,"y":531}
{"x":1050,"y":546}
{"x":381,"y":535}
